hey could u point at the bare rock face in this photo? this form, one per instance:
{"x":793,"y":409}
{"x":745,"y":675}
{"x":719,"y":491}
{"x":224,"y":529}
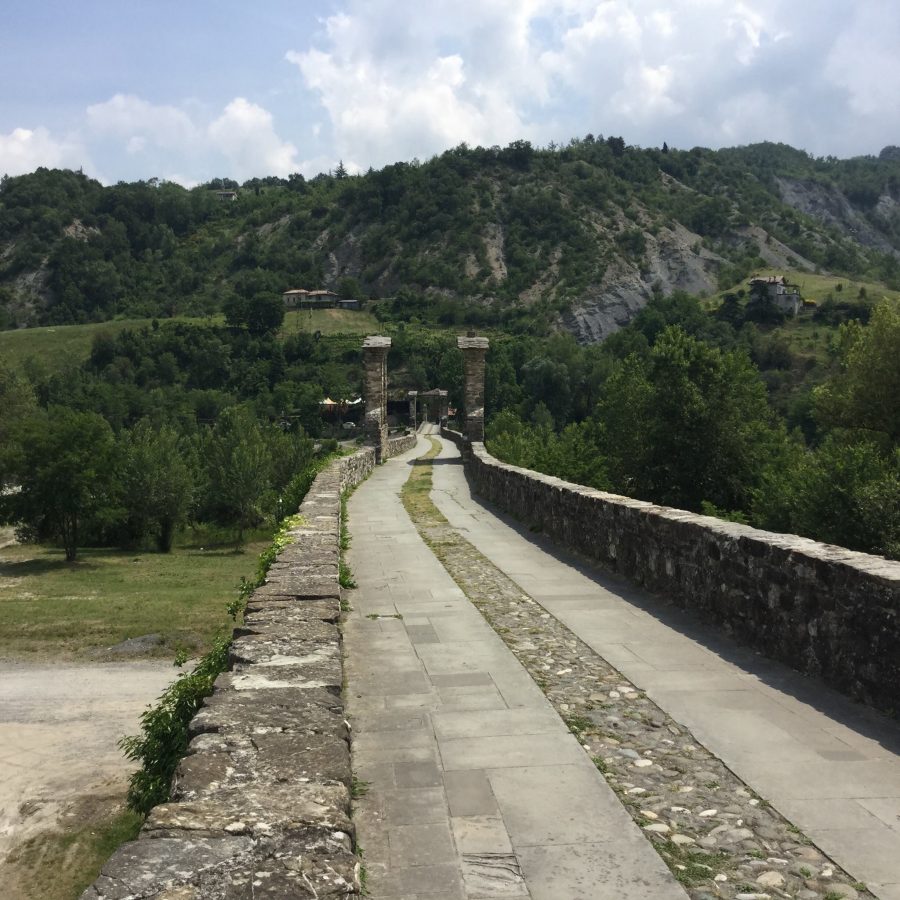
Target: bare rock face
{"x":674,"y":260}
{"x":830,"y":206}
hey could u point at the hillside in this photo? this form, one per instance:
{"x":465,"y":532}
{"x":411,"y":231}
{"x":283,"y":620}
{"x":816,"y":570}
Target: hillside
{"x":526,"y":238}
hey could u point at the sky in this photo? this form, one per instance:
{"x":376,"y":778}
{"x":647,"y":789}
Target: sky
{"x":191,"y":90}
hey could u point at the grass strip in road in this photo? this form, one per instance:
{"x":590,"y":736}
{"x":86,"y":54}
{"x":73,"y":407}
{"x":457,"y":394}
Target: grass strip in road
{"x":715,"y":834}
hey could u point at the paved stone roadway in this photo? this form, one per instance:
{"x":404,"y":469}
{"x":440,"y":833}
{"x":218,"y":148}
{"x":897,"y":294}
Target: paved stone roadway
{"x":478,"y":790}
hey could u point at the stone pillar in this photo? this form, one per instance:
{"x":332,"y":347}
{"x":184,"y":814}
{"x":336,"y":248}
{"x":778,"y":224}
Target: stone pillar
{"x":474,"y":350}
{"x":413,"y":397}
{"x":375,"y":351}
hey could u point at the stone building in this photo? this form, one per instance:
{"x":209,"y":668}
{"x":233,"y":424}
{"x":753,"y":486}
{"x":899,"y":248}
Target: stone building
{"x":784,"y":295}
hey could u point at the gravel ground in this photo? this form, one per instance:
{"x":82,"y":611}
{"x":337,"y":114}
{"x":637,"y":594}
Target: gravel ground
{"x":59,"y":725}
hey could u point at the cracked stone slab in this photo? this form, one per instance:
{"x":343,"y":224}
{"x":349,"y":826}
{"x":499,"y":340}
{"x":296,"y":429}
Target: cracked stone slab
{"x":290,"y":710}
{"x":258,"y":810}
{"x":490,"y":875}
{"x":314,"y":670}
{"x":262,"y":758}
{"x":225,"y":869}
{"x":310,"y":639}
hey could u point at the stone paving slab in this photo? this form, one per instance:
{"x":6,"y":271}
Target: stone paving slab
{"x":814,"y":755}
{"x":451,"y":732}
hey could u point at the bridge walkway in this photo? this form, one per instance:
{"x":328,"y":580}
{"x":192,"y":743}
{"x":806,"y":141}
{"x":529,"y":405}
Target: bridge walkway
{"x":828,"y":765}
{"x":471,"y":785}
{"x":475,"y":786}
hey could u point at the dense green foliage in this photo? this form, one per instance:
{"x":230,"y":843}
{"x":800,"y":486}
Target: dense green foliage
{"x":674,"y":410}
{"x":164,"y":730}
{"x":519,"y":232}
{"x":727,"y":408}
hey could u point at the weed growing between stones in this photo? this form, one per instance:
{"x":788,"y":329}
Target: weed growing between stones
{"x":578,"y":724}
{"x":358,"y":788}
{"x":345,"y":575}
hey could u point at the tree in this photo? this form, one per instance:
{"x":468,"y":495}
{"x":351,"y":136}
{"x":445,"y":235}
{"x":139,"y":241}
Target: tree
{"x":17,"y":402}
{"x":66,"y":475}
{"x":688,"y":424}
{"x":157,"y":486}
{"x":864,"y":394}
{"x":239,"y":468}
{"x":261,"y":314}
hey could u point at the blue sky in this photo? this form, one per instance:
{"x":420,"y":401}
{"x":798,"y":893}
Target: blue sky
{"x":195,"y":89}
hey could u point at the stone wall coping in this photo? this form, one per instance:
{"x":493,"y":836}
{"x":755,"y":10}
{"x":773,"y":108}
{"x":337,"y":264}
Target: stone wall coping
{"x":376,"y":341}
{"x":875,"y":566}
{"x":472,"y":343}
{"x":827,"y":611}
{"x":239,"y":807}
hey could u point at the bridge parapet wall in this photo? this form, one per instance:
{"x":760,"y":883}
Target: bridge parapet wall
{"x":261,"y":803}
{"x":824,"y":610}
{"x":402,"y":443}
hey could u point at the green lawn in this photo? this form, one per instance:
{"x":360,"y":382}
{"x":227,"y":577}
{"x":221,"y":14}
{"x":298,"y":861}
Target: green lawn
{"x":57,"y":346}
{"x":49,"y":608}
{"x":817,"y":287}
{"x":330,"y":321}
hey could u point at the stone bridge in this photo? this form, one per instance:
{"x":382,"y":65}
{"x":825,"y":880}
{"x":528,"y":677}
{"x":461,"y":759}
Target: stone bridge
{"x":536,"y":690}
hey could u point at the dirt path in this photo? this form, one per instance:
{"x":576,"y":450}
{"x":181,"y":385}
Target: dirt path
{"x":59,"y":725}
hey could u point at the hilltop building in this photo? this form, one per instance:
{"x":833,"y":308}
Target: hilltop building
{"x":300,"y":298}
{"x":784,"y":295}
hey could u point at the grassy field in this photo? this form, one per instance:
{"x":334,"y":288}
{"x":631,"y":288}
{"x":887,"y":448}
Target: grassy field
{"x":817,"y":287}
{"x":329,"y":321}
{"x":57,"y":346}
{"x":50,"y":608}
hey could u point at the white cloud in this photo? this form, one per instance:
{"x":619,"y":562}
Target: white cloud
{"x":25,"y":149}
{"x":388,"y":80}
{"x":399,"y":79}
{"x":128,"y":117}
{"x":241,"y":142}
{"x":245,"y":134}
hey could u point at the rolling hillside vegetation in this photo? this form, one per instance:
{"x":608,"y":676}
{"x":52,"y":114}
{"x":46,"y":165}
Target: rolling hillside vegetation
{"x":528,"y":239}
{"x":626,"y":351}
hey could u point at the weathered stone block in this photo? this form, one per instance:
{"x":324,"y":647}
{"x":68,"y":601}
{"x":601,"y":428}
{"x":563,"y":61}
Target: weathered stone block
{"x":226,"y":869}
{"x":262,"y":612}
{"x":288,"y":710}
{"x":291,"y":809}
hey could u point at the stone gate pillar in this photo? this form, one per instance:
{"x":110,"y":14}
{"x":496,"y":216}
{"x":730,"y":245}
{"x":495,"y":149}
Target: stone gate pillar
{"x":375,"y":351}
{"x":413,"y":417}
{"x":474,"y":350}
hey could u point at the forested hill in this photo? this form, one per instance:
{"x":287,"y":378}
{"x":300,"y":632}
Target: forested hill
{"x":579,"y":235}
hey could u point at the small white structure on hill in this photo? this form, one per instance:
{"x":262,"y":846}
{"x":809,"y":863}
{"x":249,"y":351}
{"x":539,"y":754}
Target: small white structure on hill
{"x":300,"y":298}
